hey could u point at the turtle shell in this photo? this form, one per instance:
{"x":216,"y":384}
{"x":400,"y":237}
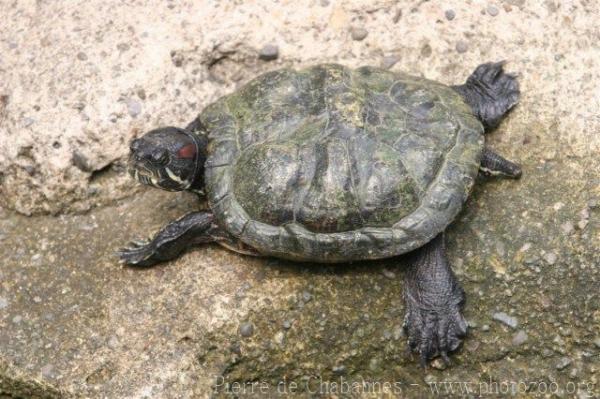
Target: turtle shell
{"x":331,"y":164}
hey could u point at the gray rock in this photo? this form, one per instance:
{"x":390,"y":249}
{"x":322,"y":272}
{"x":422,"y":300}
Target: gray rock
{"x":389,"y":61}
{"x":550,"y":258}
{"x":134,"y":107}
{"x":492,"y":10}
{"x":80,"y":161}
{"x":47,"y":371}
{"x":567,"y":227}
{"x":462,"y":46}
{"x":268,"y":52}
{"x":246,"y":329}
{"x":388,"y":273}
{"x":306,"y":296}
{"x":358,"y":34}
{"x":504,"y":318}
{"x":563,"y":363}
{"x":3,"y":302}
{"x":519,"y":338}
{"x":450,"y":15}
{"x":340,"y":369}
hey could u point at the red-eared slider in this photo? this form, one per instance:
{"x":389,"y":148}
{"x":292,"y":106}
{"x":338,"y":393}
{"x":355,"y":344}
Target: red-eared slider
{"x":330,"y":164}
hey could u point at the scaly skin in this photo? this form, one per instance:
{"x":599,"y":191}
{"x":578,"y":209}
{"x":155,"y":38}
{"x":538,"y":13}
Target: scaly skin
{"x":434,"y":300}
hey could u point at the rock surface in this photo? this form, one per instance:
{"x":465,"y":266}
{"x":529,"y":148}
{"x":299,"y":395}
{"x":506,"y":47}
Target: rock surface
{"x":78,"y":81}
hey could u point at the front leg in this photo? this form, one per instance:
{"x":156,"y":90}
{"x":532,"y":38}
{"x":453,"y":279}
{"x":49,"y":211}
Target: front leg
{"x":434,"y":301}
{"x":193,"y":228}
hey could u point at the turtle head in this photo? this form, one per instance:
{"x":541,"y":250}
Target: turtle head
{"x":169,"y":158}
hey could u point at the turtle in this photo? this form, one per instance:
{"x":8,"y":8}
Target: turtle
{"x":330,"y":164}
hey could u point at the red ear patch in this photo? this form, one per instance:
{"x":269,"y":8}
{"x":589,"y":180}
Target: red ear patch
{"x":187,"y":151}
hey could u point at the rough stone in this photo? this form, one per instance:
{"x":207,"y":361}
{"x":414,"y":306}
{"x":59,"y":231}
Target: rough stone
{"x":506,"y":319}
{"x":492,"y":10}
{"x":389,"y":61}
{"x":268,"y":52}
{"x":519,"y":338}
{"x":358,"y":34}
{"x":462,"y":46}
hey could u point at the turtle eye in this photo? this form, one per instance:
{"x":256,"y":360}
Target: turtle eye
{"x":160,"y":157}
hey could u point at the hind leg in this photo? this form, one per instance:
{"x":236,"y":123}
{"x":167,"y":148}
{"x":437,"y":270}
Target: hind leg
{"x":434,"y":300}
{"x":490,"y":92}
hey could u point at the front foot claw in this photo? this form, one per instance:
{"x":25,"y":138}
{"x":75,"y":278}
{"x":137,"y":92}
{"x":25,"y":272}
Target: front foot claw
{"x":434,"y":332}
{"x":138,"y":253}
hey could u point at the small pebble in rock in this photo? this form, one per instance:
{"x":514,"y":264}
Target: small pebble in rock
{"x":531,"y":260}
{"x":246,"y":329}
{"x":563,"y":363}
{"x":550,"y":258}
{"x":500,"y":248}
{"x":28,"y":121}
{"x":597,"y":342}
{"x":113,"y":342}
{"x":582,"y":224}
{"x":505,"y":319}
{"x":398,"y":333}
{"x":37,"y":299}
{"x":3,"y":303}
{"x":287,"y":324}
{"x":133,"y":107}
{"x":492,"y":10}
{"x":485,"y":327}
{"x":574,"y":373}
{"x":567,"y":227}
{"x":338,"y":369}
{"x":438,"y":364}
{"x":269,"y":52}
{"x":17,"y":319}
{"x":82,"y":56}
{"x":388,"y":273}
{"x":389,"y":61}
{"x":358,"y":34}
{"x":426,"y":51}
{"x":519,"y":338}
{"x":450,"y":15}
{"x":80,"y":161}
{"x":462,"y":46}
{"x":306,"y":296}
{"x":279,"y":337}
{"x":47,"y":371}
